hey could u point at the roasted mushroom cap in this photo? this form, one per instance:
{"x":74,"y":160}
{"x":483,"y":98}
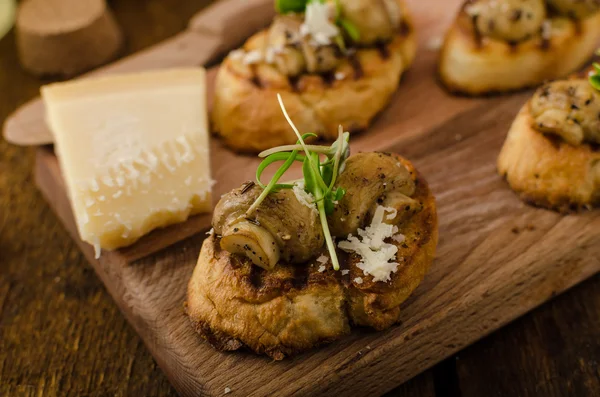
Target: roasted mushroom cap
{"x":370,"y":180}
{"x":294,"y":53}
{"x":575,"y":8}
{"x":284,"y":39}
{"x":280,"y":228}
{"x":569,"y":109}
{"x":376,"y":20}
{"x":509,"y":20}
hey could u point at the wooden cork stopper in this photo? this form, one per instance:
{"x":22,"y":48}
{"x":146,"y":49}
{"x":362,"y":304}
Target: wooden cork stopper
{"x":66,"y":37}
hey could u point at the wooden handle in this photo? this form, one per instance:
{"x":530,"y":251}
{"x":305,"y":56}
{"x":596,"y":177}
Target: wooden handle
{"x":66,"y":37}
{"x":212,"y":32}
{"x":224,"y":20}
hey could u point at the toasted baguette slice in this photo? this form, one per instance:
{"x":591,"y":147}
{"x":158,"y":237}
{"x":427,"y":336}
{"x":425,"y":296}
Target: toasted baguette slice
{"x":232,"y":303}
{"x":248,"y":117}
{"x":474,"y":65}
{"x":546,"y":171}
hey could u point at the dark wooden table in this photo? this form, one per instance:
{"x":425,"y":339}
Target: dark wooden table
{"x":61,"y":334}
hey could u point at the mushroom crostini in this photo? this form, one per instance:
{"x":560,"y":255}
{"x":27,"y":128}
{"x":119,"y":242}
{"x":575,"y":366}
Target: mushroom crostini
{"x":292,"y":266}
{"x":334,"y":62}
{"x":497,"y":46}
{"x":551,"y":156}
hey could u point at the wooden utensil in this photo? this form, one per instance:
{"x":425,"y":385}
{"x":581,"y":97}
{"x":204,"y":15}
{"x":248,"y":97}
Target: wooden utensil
{"x":66,"y":37}
{"x":219,"y":28}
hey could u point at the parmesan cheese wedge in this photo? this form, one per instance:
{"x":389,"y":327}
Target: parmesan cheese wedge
{"x":133,"y":150}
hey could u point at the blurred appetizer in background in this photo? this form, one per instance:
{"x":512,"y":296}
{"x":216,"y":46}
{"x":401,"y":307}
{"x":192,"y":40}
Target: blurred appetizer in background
{"x":551,"y":156}
{"x":334,"y":62}
{"x":497,"y":46}
{"x":289,"y":266}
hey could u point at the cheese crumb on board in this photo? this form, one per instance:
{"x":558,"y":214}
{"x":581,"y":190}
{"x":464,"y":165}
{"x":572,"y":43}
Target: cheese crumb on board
{"x":376,"y":255}
{"x":127,"y":146}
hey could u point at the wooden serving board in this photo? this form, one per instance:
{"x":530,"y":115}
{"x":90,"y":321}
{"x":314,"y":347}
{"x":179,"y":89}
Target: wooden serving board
{"x":496,"y":259}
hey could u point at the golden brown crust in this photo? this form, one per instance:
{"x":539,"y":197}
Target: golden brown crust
{"x":232,"y":303}
{"x":248,"y":117}
{"x":377,"y":304}
{"x":474,"y":65}
{"x":548,"y":172}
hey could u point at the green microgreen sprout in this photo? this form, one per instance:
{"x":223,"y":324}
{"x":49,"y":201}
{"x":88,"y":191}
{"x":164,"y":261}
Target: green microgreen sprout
{"x":595,"y":74}
{"x":289,"y":6}
{"x":321,"y":166}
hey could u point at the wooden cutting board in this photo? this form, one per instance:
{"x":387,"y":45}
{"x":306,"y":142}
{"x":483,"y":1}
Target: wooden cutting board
{"x":496,"y":260}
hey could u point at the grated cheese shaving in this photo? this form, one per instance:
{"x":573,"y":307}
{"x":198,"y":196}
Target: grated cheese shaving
{"x":237,"y":54}
{"x":321,"y":269}
{"x":474,"y":10}
{"x":323,"y":259}
{"x":97,"y":250}
{"x":317,"y":23}
{"x":399,"y":238}
{"x":358,"y":280}
{"x":376,"y":255}
{"x":547,"y":30}
{"x":435,"y":43}
{"x":252,"y":57}
{"x":305,"y":198}
{"x":270,"y":55}
{"x":345,"y":271}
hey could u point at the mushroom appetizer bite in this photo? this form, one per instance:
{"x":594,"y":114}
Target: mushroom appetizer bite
{"x":289,"y":266}
{"x":334,"y":62}
{"x":551,"y":156}
{"x":497,"y":46}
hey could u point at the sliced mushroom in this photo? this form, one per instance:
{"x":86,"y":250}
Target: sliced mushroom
{"x":320,"y":59}
{"x":575,"y":8}
{"x":404,"y":206}
{"x":370,"y":180}
{"x":284,"y":39}
{"x":375,"y":20}
{"x":253,"y":241}
{"x":509,"y":20}
{"x":294,"y":53}
{"x":280,"y":223}
{"x":569,"y":109}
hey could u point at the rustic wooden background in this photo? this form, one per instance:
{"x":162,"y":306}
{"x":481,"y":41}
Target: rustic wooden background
{"x":61,"y":333}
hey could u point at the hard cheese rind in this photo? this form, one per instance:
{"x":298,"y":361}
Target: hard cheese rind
{"x":133,"y":150}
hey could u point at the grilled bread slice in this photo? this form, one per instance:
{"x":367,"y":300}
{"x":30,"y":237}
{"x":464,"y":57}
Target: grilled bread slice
{"x":232,"y":303}
{"x":548,"y":172}
{"x":474,"y":64}
{"x":246,"y":113}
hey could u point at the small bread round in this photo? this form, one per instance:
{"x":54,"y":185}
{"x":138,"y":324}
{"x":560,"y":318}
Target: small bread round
{"x":548,"y":172}
{"x":246,"y":113}
{"x":232,"y":303}
{"x":471,"y":64}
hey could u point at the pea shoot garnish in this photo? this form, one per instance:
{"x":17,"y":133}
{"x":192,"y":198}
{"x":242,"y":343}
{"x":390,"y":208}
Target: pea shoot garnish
{"x":299,"y":6}
{"x":321,"y":166}
{"x":595,"y":75}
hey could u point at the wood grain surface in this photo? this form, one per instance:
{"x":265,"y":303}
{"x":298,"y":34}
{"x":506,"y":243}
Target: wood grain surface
{"x":61,"y":334}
